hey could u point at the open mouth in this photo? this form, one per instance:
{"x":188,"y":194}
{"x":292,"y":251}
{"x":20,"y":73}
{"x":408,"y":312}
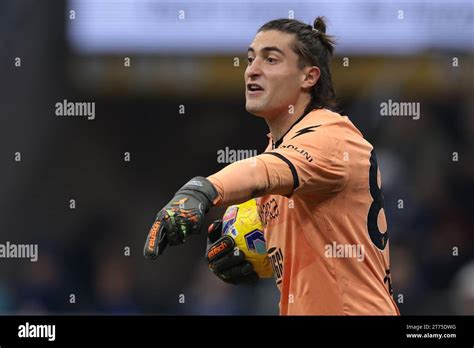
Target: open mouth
{"x":254,"y":88}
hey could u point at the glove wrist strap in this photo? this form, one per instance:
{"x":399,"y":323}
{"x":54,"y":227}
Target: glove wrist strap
{"x":203,"y":186}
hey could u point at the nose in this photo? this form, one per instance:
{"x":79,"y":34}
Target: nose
{"x":254,"y":69}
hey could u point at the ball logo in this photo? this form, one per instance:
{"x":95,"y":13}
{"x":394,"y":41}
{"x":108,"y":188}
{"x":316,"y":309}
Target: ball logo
{"x":233,"y":232}
{"x":229,"y":219}
{"x":256,"y":242}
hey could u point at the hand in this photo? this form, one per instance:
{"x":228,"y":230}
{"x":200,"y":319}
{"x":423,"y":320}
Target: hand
{"x":225,"y":259}
{"x":182,"y":216}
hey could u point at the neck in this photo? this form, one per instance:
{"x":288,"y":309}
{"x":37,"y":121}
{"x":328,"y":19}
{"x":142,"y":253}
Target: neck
{"x":281,"y":123}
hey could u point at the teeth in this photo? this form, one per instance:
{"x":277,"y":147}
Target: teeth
{"x":254,"y":88}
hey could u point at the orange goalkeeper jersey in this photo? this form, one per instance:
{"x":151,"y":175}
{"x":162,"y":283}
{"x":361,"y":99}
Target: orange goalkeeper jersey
{"x":328,"y":240}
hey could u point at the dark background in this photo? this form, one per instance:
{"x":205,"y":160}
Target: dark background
{"x":81,"y":250}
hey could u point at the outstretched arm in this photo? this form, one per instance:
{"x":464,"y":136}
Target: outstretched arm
{"x":255,"y":177}
{"x":236,"y":183}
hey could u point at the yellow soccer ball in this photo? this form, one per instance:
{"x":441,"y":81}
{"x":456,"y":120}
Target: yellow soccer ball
{"x":242,"y":223}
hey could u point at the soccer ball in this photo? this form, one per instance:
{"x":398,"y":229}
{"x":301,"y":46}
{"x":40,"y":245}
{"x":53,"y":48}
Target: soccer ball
{"x":242,"y":223}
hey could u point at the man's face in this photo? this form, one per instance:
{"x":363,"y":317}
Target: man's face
{"x":273,"y":79}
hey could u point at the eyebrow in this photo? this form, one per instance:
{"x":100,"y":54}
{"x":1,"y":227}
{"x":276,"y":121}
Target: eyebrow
{"x":268,"y":49}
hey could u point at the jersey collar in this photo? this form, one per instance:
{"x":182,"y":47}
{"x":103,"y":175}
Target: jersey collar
{"x":277,"y":143}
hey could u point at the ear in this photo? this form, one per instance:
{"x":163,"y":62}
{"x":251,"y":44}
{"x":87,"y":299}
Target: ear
{"x":310,"y":77}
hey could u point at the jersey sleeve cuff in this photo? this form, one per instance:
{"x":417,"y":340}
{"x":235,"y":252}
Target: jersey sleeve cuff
{"x":296,"y":181}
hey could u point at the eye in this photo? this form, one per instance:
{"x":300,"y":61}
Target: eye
{"x":250,"y":60}
{"x":271,"y":60}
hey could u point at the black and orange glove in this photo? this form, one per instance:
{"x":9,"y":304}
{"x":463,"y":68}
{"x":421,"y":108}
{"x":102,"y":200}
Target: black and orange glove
{"x":225,"y":259}
{"x":182,"y":216}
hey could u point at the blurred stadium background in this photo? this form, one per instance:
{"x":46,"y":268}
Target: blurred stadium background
{"x":197,"y":58}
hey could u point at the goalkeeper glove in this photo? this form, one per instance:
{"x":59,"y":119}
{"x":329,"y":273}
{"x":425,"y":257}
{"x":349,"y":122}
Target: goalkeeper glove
{"x":182,"y":216}
{"x":225,"y":259}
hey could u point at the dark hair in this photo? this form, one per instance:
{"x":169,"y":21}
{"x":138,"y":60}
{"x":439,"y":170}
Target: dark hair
{"x":314,"y":47}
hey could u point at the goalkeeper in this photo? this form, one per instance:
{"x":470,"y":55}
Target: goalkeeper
{"x":317,"y":185}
